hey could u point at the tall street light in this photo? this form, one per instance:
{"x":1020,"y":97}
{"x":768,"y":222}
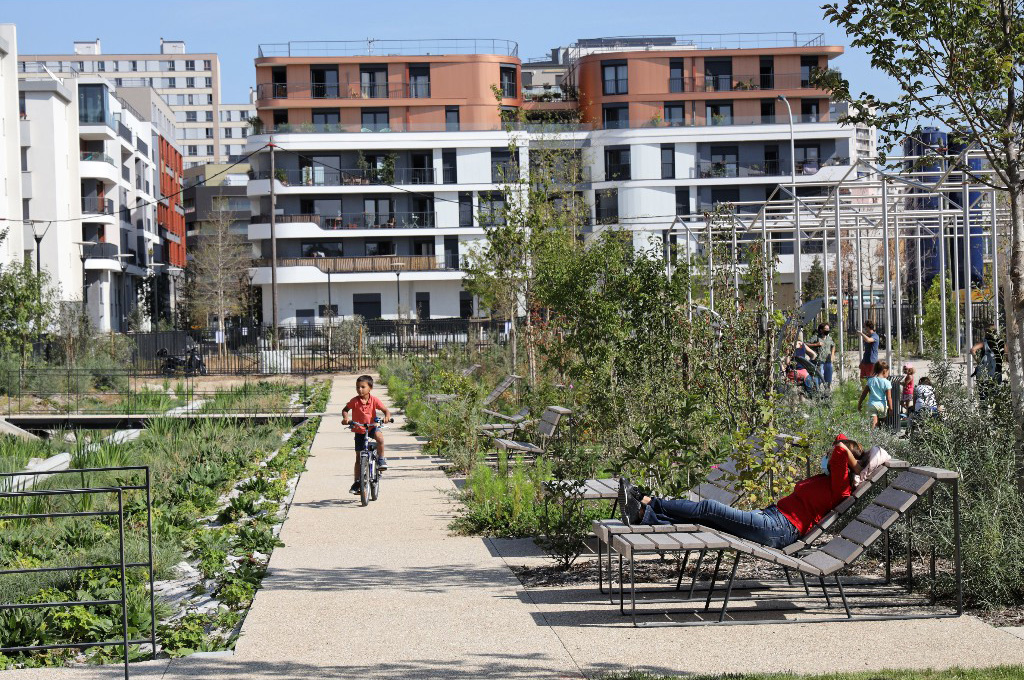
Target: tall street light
{"x":175,"y":274}
{"x":123,"y":261}
{"x":796,"y":204}
{"x":38,"y":237}
{"x":82,"y":253}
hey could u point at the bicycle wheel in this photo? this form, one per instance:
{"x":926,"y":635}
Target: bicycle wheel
{"x":364,"y":478}
{"x":374,"y":481}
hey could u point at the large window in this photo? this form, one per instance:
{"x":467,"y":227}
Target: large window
{"x":724,"y":162}
{"x":419,"y":81}
{"x":675,"y":113}
{"x":616,"y":163}
{"x":92,"y":104}
{"x":492,"y":208}
{"x":373,"y":81}
{"x":509,"y":88}
{"x":366,"y":305}
{"x":607,"y":206}
{"x":767,"y":111}
{"x":718,"y":75}
{"x":809,"y":110}
{"x":451,"y":118}
{"x":808,"y":159}
{"x":449,"y":167}
{"x":682,"y":200}
{"x":719,"y":113}
{"x":375,"y":120}
{"x":378,"y":212}
{"x":615,"y":116}
{"x":324,"y":117}
{"x":323,"y":82}
{"x":668,"y":161}
{"x":767,"y":73}
{"x":504,"y":165}
{"x":675,"y":75}
{"x":465,"y":209}
{"x":808,"y":65}
{"x":614,"y":77}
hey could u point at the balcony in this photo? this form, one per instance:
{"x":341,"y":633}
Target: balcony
{"x":400,"y":126}
{"x":97,"y":206}
{"x":616,"y":171}
{"x":741,"y":83}
{"x":329,"y":177}
{"x":548,"y":93}
{"x":125,"y":132}
{"x":759,"y":168}
{"x":97,"y":156}
{"x":371,"y":263}
{"x":723,"y":120}
{"x":346,"y":90}
{"x":361,"y":220}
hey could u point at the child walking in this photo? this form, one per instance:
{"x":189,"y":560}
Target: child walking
{"x":879,"y":388}
{"x":364,"y":407}
{"x":907,"y":395}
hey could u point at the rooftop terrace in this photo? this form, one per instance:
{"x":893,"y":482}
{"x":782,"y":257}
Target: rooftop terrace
{"x":702,"y":41}
{"x":372,"y":47}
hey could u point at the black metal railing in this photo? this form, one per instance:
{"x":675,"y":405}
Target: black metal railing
{"x":616,"y":171}
{"x":125,"y":132}
{"x":94,"y":204}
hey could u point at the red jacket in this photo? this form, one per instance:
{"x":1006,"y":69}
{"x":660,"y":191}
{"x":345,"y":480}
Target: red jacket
{"x":815,"y":496}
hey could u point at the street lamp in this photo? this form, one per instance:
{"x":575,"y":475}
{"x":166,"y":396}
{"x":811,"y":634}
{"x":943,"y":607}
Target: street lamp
{"x":796,"y":203}
{"x":156,"y":292}
{"x":81,"y":248}
{"x":175,"y":274}
{"x":251,"y":274}
{"x":39,"y":283}
{"x":123,"y":257}
{"x":398,"y":291}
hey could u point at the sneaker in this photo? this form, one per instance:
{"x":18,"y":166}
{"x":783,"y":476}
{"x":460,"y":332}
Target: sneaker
{"x":354,"y":489}
{"x":629,"y":502}
{"x":382,"y":463}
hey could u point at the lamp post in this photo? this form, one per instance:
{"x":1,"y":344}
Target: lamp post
{"x":156,"y":292}
{"x":398,"y":303}
{"x":39,"y":283}
{"x":81,"y":249}
{"x":796,"y":203}
{"x":175,"y":274}
{"x":251,"y":274}
{"x":123,"y":261}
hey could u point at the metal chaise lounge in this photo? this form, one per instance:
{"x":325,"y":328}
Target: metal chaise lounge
{"x":828,"y":561}
{"x":544,"y":429}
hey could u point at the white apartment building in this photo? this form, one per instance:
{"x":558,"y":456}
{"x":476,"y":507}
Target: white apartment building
{"x":188,"y":82}
{"x":10,"y":153}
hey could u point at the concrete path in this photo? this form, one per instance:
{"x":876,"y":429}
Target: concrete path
{"x":385,"y":592}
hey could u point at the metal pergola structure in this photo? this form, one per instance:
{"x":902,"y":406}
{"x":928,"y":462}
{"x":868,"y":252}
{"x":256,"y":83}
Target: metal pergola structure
{"x":883,"y":227}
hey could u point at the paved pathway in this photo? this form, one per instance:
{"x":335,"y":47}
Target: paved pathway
{"x":385,"y":592}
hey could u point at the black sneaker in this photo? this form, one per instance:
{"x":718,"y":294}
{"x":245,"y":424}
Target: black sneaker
{"x":629,"y":502}
{"x":354,"y":489}
{"x":382,"y":463}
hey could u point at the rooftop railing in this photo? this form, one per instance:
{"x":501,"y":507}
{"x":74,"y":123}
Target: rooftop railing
{"x":400,"y":126}
{"x":373,"y":47}
{"x":698,"y":41}
{"x":369,"y":263}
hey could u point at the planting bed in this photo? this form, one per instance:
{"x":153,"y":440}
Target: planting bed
{"x":220,"y":493}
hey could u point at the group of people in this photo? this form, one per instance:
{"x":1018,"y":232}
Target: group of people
{"x":914,"y":400}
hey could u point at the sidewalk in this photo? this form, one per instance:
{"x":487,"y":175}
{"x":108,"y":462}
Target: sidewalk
{"x":385,"y":592}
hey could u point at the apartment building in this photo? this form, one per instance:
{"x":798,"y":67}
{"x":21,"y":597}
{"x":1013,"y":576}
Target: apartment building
{"x":387,"y":155}
{"x":385,"y":152}
{"x":10,"y":162}
{"x":188,"y":82}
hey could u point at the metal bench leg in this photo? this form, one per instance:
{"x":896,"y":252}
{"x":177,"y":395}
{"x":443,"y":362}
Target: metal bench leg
{"x":600,"y":559}
{"x":789,"y":579}
{"x":714,"y":577}
{"x":842,"y":594}
{"x":622,"y":594}
{"x":828,"y":600}
{"x":632,"y":585}
{"x":728,"y":588}
{"x":682,"y":569}
{"x":807,"y":591}
{"x":696,"y":570}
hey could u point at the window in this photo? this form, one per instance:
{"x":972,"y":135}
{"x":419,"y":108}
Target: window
{"x":718,"y":113}
{"x":373,"y":82}
{"x":92,"y":104}
{"x":808,"y":65}
{"x":724,"y":195}
{"x":492,"y":208}
{"x":190,"y":65}
{"x":675,"y":75}
{"x":167,"y":65}
{"x":615,"y":116}
{"x":767,"y":73}
{"x":324,"y":117}
{"x":208,"y":133}
{"x":509,"y":89}
{"x":614,"y":77}
{"x":101,"y":66}
{"x":675,"y":114}
{"x":465,"y":209}
{"x":375,"y":248}
{"x":451,"y":118}
{"x":807,"y":158}
{"x":190,"y":82}
{"x":616,"y":163}
{"x":80,"y":66}
{"x":378,"y":212}
{"x":668,"y":161}
{"x":504,"y":165}
{"x":280,"y":117}
{"x":375,"y":120}
{"x":207,"y":64}
{"x":449,"y":168}
{"x":207,"y":82}
{"x":326,"y":313}
{"x":607,"y":206}
{"x":192,"y":150}
{"x":133,"y":65}
{"x":767,"y":111}
{"x":809,"y":110}
{"x":465,"y":304}
{"x":208,"y":116}
{"x":419,"y":81}
{"x":24,"y":159}
{"x":304,"y":317}
{"x":22,"y":111}
{"x":682,"y":200}
{"x":24,"y":208}
{"x":118,"y":82}
{"x":209,"y":150}
{"x":718,"y":75}
{"x":723,"y":163}
{"x":422,"y":305}
{"x":209,"y":99}
{"x":366,"y":305}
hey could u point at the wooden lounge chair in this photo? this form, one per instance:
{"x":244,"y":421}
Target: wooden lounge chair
{"x":827,"y":561}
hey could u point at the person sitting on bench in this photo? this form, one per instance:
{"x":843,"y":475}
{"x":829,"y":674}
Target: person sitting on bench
{"x":775,"y":526}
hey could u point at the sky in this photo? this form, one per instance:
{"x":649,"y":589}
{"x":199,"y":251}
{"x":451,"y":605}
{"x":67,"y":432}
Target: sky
{"x":235,"y":28}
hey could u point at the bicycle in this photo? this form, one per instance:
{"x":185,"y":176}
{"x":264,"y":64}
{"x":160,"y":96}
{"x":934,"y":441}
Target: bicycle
{"x":369,"y":474}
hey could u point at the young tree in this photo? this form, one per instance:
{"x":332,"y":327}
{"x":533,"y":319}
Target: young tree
{"x":218,"y":266}
{"x":814,"y":286}
{"x":961,"y":63}
{"x":26,"y":306}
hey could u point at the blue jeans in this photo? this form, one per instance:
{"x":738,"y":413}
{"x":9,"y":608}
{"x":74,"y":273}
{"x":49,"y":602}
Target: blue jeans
{"x":767,"y":527}
{"x":826,"y":372}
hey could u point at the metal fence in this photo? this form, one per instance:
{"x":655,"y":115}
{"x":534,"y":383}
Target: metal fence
{"x":308,"y":348}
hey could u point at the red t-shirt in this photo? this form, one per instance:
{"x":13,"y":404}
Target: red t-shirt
{"x":364,"y":413}
{"x":815,"y":496}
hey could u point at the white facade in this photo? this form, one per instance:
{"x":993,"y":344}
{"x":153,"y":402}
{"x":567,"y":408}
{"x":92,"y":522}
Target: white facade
{"x":12,"y":247}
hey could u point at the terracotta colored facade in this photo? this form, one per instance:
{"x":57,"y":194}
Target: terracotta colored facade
{"x":169,"y":214}
{"x":286,"y":84}
{"x":687,"y":78}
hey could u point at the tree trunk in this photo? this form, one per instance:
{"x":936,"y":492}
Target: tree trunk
{"x":1013,"y":305}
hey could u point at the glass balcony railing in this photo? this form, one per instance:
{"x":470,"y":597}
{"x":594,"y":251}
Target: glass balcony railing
{"x":98,"y":156}
{"x":346,"y":90}
{"x":617,"y":171}
{"x":740,"y":83}
{"x":95,"y":205}
{"x":359,"y":220}
{"x":724,"y":119}
{"x":400,"y":126}
{"x":329,"y":177}
{"x":371,"y":263}
{"x":759,"y":168}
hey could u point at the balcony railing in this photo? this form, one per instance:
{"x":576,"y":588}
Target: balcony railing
{"x":125,"y":132}
{"x":375,"y":47}
{"x":96,"y":205}
{"x":360,"y":220}
{"x":722,"y":119}
{"x":739,"y":83}
{"x":100,"y":251}
{"x":126,"y":174}
{"x":548,"y":93}
{"x":143,"y":147}
{"x":328,"y":177}
{"x":616,"y":171}
{"x":97,"y":156}
{"x":759,"y":168}
{"x":347,"y":90}
{"x":400,"y":126}
{"x":370,"y":263}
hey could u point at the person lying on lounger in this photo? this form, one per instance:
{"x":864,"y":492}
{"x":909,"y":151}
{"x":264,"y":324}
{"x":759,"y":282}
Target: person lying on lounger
{"x":776,"y":526}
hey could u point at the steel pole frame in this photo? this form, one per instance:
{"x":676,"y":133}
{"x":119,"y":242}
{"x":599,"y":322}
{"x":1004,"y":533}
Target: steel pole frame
{"x":968,"y":301}
{"x":840,"y":321}
{"x":994,"y":240}
{"x":886,"y":273}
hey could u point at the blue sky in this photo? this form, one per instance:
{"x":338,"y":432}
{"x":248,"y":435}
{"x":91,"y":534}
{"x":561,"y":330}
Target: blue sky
{"x":234,"y":28}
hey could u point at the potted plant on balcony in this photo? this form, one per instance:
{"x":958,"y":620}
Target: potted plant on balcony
{"x":256,"y":123}
{"x":281,"y":176}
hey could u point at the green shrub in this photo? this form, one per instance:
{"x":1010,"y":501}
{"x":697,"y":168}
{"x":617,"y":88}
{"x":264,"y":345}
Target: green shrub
{"x":499,"y":505}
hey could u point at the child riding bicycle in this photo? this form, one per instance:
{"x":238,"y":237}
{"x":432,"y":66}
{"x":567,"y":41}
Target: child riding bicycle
{"x":364,"y":407}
